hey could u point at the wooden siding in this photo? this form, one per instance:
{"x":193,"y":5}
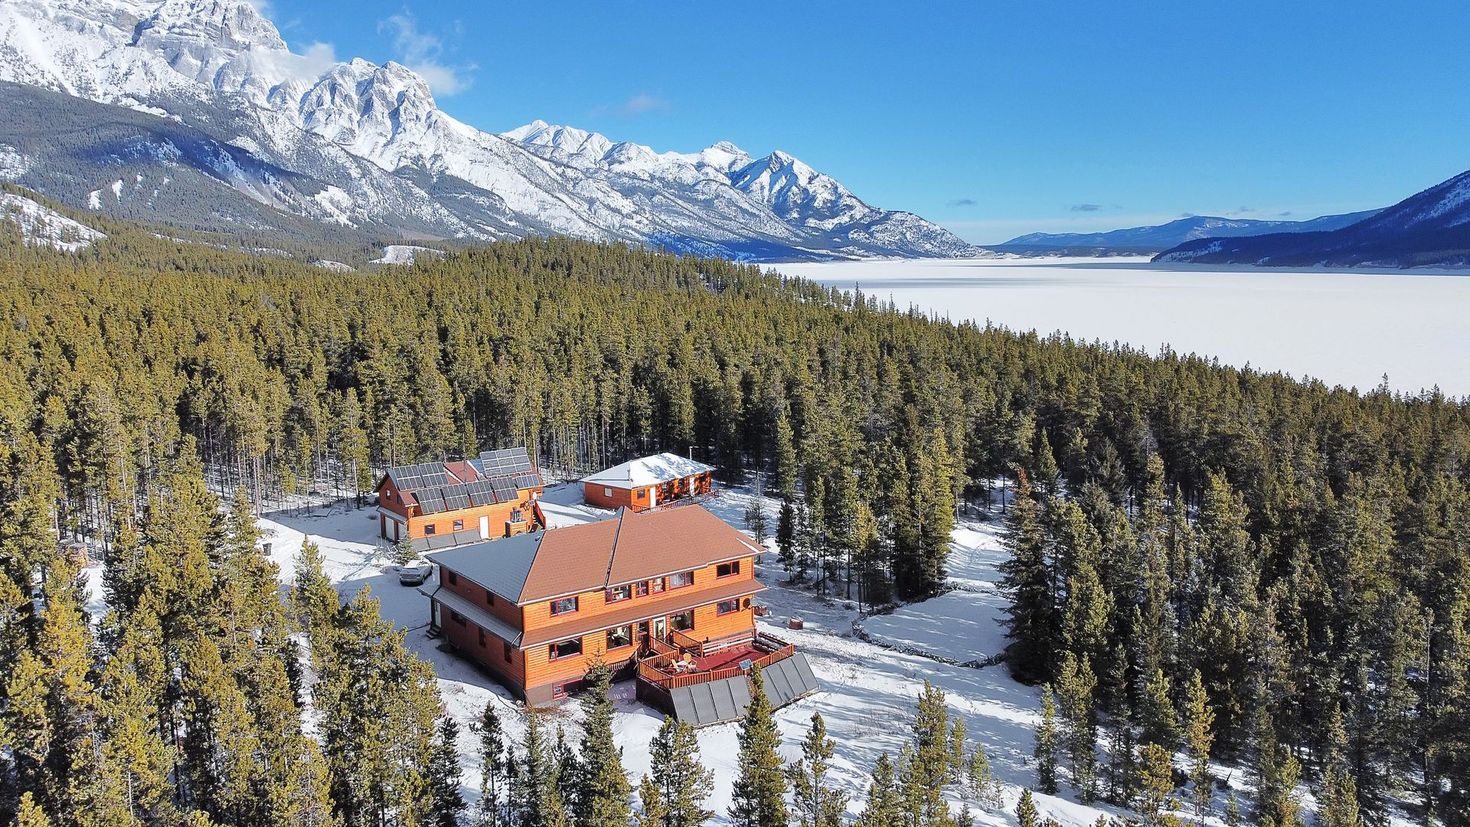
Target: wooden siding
{"x":503,"y":609}
{"x":641,"y":498}
{"x":466,"y":638}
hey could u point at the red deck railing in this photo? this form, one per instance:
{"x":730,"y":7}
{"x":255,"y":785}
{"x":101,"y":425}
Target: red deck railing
{"x":657,"y":668}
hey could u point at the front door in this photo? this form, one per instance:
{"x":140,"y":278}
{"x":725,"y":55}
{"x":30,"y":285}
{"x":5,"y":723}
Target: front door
{"x":484,"y":526}
{"x":660,"y":627}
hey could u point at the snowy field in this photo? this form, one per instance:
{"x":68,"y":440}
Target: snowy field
{"x":867,"y":691}
{"x":1345,"y":328}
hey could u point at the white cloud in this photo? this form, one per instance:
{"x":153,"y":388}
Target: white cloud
{"x":642,"y":103}
{"x":423,"y":52}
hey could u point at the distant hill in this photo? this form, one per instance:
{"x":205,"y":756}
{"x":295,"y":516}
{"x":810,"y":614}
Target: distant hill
{"x":1430,"y":229}
{"x":1154,"y":239}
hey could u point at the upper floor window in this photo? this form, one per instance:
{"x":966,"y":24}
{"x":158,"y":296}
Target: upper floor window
{"x":727,"y":569}
{"x":725,"y":607}
{"x":618,"y":593}
{"x":429,"y":529}
{"x":642,"y":494}
{"x":683,"y":578}
{"x":566,"y":605}
{"x":458,"y":525}
{"x":606,"y":492}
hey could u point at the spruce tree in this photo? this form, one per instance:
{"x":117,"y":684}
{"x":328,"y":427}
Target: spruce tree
{"x":1156,"y":785}
{"x":759,"y":796}
{"x":603,"y":784}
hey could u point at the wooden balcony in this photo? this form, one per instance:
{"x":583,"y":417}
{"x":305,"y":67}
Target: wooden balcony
{"x":667,"y":667}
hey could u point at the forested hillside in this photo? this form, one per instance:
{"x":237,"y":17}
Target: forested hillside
{"x":1302,"y":550}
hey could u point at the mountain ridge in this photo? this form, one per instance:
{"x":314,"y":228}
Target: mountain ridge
{"x":1428,"y":229}
{"x":377,"y":157}
{"x":1159,"y":237}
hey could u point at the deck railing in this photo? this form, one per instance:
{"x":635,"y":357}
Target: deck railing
{"x":656,"y":668}
{"x":701,"y":648}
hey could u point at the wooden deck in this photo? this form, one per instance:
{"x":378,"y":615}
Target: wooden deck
{"x":666,"y":667}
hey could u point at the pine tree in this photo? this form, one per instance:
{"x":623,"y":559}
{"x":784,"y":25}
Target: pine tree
{"x":1156,"y":785}
{"x":884,"y":805}
{"x":1339,"y":801}
{"x":1199,"y":737}
{"x":1048,"y":742}
{"x":444,"y":775}
{"x":1075,"y":687}
{"x":1028,"y":583}
{"x":981,"y":779}
{"x":814,"y":803}
{"x":932,"y":761}
{"x":1160,"y":723}
{"x":31,"y":814}
{"x":603,"y":784}
{"x":493,"y":776}
{"x":759,"y":797}
{"x":1026,"y":814}
{"x":786,"y":539}
{"x":673,"y":795}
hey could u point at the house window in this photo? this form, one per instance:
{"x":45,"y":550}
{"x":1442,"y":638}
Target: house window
{"x":642,"y":494}
{"x":619,"y":593}
{"x":656,"y":586}
{"x":565,"y":648}
{"x":453,"y":579}
{"x":482,"y":637}
{"x":682,"y":622}
{"x":459,"y":525}
{"x":643,"y":589}
{"x":457,"y":617}
{"x":683,"y":578}
{"x":507,"y":651}
{"x":429,"y":529}
{"x":727,"y":569}
{"x":620,"y":637}
{"x":725,"y":607}
{"x":607,"y":492}
{"x":566,"y":605}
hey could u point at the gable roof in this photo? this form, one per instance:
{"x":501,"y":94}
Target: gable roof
{"x":659,"y":468}
{"x":561,"y":561}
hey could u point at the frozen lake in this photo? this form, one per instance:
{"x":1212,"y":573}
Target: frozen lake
{"x":1343,"y":328}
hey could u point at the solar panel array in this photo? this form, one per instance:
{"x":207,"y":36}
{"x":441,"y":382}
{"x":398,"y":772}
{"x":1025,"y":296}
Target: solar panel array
{"x":505,"y":473}
{"x":506,"y":462}
{"x":421,"y":475}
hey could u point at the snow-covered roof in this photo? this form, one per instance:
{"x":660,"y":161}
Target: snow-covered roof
{"x":653,"y":470}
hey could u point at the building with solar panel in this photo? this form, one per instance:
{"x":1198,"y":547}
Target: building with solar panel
{"x":440,"y":505}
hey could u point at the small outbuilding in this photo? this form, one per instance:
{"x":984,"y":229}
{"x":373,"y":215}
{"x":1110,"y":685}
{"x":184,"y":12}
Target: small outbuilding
{"x":643,"y":483}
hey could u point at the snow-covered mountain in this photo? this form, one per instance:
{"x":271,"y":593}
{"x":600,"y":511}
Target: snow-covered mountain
{"x":1430,"y":228}
{"x":284,"y":141}
{"x":1153,"y":239}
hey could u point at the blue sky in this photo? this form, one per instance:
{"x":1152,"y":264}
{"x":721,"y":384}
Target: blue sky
{"x":991,"y":117}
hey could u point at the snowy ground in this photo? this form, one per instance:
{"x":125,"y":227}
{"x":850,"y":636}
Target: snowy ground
{"x":1346,"y":328}
{"x":406,"y":254}
{"x":965,"y":624}
{"x":42,"y":226}
{"x":867,"y":692}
